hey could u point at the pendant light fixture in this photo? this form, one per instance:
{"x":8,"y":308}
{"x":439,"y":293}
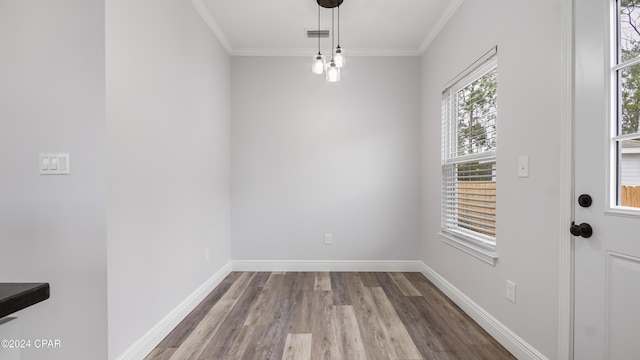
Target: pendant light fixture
{"x":333,"y":71}
{"x":318,"y":61}
{"x":332,"y":67}
{"x":337,"y":55}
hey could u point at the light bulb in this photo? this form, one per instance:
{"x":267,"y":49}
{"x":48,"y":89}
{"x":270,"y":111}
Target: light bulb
{"x":318,"y":64}
{"x":333,"y":72}
{"x":338,"y":57}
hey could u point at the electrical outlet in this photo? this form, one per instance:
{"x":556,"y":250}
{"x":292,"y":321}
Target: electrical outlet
{"x":511,"y":291}
{"x":327,"y":239}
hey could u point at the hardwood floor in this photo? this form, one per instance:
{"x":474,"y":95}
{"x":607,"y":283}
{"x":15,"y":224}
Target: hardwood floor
{"x":306,"y":315}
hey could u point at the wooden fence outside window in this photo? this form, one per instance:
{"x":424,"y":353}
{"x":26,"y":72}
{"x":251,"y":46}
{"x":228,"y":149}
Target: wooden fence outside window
{"x":474,"y":198}
{"x":630,"y":196}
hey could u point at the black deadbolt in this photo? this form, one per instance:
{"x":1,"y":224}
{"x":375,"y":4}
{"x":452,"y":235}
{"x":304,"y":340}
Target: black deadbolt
{"x":585,"y":200}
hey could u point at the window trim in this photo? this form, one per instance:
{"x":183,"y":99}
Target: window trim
{"x":476,"y":67}
{"x":488,"y":256}
{"x":477,"y":246}
{"x":616,"y":65}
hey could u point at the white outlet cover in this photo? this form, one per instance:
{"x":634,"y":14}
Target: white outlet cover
{"x":327,"y":239}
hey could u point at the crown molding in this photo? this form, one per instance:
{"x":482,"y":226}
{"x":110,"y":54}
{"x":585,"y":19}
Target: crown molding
{"x":442,"y":21}
{"x":213,"y":24}
{"x":311,"y":52}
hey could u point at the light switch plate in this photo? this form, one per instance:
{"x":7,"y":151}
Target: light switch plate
{"x":523,"y":166}
{"x":55,"y":164}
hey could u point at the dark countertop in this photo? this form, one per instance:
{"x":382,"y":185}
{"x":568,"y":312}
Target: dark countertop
{"x":17,"y":296}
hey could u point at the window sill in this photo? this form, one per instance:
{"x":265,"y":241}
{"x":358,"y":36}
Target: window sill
{"x":623,"y":211}
{"x":487,"y":256}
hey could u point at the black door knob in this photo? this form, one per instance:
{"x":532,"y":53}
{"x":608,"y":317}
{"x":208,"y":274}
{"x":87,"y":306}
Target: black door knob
{"x":583,"y":230}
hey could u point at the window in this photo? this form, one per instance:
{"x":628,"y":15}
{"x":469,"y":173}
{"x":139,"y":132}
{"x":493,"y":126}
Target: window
{"x":625,"y":133}
{"x":469,"y":159}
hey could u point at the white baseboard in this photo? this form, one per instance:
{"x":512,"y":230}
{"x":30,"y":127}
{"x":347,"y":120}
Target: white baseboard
{"x":143,"y":346}
{"x":328,"y":265}
{"x":512,"y":342}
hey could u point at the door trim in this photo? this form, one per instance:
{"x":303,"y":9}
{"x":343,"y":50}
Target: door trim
{"x":566,"y":245}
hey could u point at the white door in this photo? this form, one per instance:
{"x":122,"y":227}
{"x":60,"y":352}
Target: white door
{"x":607,"y":108}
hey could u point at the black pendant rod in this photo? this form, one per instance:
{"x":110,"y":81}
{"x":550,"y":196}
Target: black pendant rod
{"x":338,"y":25}
{"x":332,"y":37}
{"x":318,"y":30}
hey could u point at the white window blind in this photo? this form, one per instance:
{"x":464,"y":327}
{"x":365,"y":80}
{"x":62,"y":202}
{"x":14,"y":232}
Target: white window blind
{"x":469,"y":154}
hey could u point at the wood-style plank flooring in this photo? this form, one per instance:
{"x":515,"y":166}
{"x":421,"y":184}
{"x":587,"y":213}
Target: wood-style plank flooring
{"x":306,"y":315}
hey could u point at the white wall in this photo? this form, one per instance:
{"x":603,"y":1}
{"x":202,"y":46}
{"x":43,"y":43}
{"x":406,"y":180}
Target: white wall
{"x":53,"y":228}
{"x":310,"y":157}
{"x":168,"y":112}
{"x":529,"y":74}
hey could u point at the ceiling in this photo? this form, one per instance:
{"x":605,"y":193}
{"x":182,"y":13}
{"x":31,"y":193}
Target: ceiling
{"x":367,"y":27}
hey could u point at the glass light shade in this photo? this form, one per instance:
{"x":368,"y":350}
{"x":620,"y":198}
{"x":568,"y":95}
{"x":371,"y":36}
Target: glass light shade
{"x":338,"y":57}
{"x":333,"y":72}
{"x":318,"y":64}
